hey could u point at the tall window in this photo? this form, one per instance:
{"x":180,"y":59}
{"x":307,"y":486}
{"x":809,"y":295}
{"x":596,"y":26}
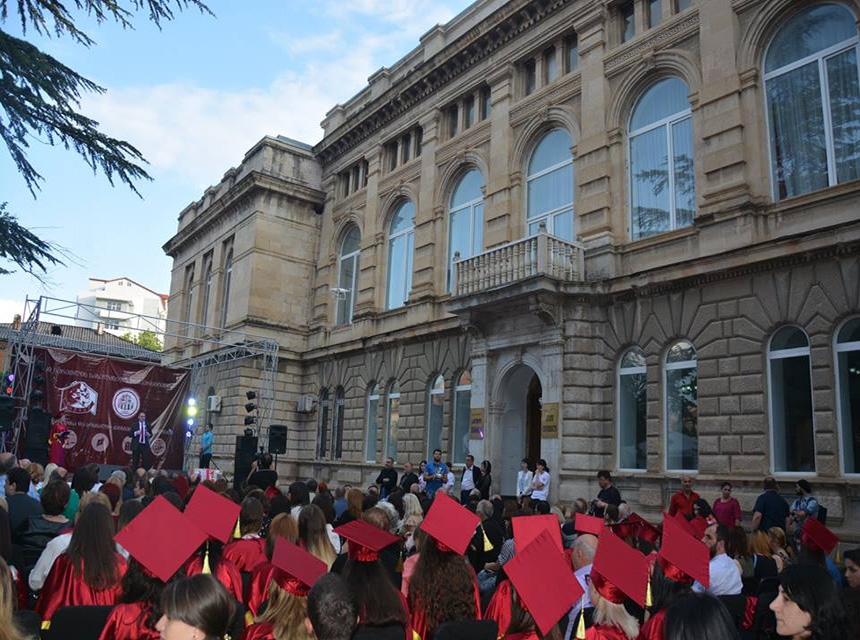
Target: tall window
{"x":347,"y":279}
{"x":848,"y":393}
{"x":632,"y":437}
{"x":462,"y":407}
{"x":628,"y":21}
{"x":813,"y":101}
{"x":682,"y":436}
{"x":530,"y":71}
{"x":322,"y":425}
{"x":466,"y":226}
{"x":790,"y":378}
{"x":228,"y":276}
{"x":372,"y":423}
{"x":550,"y":67}
{"x":207,"y":290}
{"x":337,"y":425}
{"x":435,"y":415}
{"x":549,"y":186}
{"x":401,"y":245}
{"x":392,"y":420}
{"x":189,"y":298}
{"x":662,"y":184}
{"x":571,"y":49}
{"x":655,"y":12}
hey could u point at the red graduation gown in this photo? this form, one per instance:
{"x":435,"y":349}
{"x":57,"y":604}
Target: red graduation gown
{"x":499,"y":608}
{"x":64,"y":587}
{"x":599,"y":632}
{"x":653,"y":629}
{"x":246,"y":553}
{"x":420,"y":624}
{"x":258,"y":590}
{"x":259,"y":631}
{"x":128,"y":622}
{"x":522,"y":635}
{"x":226,"y":573}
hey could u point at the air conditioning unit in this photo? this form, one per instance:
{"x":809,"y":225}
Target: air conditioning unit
{"x":305,"y":404}
{"x":213,"y":403}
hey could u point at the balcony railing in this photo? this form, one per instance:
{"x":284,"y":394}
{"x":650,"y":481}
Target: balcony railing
{"x":538,"y":255}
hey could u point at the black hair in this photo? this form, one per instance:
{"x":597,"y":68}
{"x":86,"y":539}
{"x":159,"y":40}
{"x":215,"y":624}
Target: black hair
{"x":435,"y":450}
{"x":704,"y":507}
{"x":379,"y":602}
{"x":92,"y":551}
{"x":489,"y":465}
{"x":332,"y":608}
{"x":542,"y":463}
{"x":665,"y":591}
{"x":311,"y":485}
{"x":266,"y":461}
{"x":128,"y":512}
{"x":85,"y":478}
{"x":528,"y":462}
{"x":812,"y":589}
{"x":138,"y":585}
{"x":20,"y":478}
{"x":326,"y":505}
{"x":604,"y":474}
{"x":699,"y":616}
{"x":199,"y":601}
{"x":299,"y":495}
{"x":542,"y":507}
{"x":722,"y":533}
{"x":725,"y":484}
{"x":804,"y":484}
{"x":55,"y":496}
{"x":853,"y":555}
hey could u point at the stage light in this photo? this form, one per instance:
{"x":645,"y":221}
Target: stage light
{"x":251,"y":395}
{"x":250,"y":420}
{"x":192,"y":411}
{"x":188,"y":434}
{"x":190,"y":423}
{"x":192,"y":402}
{"x":250,"y":406}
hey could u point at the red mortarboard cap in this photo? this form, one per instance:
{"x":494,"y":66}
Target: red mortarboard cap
{"x":635,"y":517}
{"x":682,"y":522}
{"x":161,"y":538}
{"x":681,"y":556}
{"x":625,"y":529}
{"x":213,"y":513}
{"x":527,"y":528}
{"x":537,"y":566}
{"x":588,"y":524}
{"x":450,"y":524}
{"x":818,"y":537}
{"x":365,"y":540}
{"x":619,"y":570}
{"x":699,"y":525}
{"x":296,"y":569}
{"x":648,"y":531}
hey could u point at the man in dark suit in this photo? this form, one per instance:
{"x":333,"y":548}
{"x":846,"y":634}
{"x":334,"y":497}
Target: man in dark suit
{"x":140,"y":435}
{"x":470,"y":479}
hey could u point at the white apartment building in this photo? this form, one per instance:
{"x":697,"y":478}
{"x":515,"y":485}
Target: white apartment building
{"x":120,"y":306}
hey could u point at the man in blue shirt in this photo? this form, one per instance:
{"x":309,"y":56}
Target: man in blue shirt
{"x":804,"y":506}
{"x":206,"y":446}
{"x":435,"y":473}
{"x":770,"y":509}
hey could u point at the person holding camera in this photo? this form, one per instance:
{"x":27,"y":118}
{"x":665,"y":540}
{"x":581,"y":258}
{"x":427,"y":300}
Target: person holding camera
{"x":262,"y":475}
{"x":435,"y":473}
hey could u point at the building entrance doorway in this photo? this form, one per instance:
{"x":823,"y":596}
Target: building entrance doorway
{"x":521,"y":425}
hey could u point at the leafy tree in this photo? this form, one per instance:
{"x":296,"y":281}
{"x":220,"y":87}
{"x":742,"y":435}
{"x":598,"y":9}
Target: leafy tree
{"x":40,"y":98}
{"x":146,"y":339}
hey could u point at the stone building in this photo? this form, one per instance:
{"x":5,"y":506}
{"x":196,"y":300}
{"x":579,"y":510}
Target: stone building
{"x":610,"y":234}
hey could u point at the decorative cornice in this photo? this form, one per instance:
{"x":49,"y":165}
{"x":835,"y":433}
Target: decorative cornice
{"x":655,"y":40}
{"x":556,"y":93}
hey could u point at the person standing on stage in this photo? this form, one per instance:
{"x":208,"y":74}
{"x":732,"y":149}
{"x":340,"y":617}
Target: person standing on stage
{"x":140,"y":443}
{"x":56,"y":439}
{"x":206,"y":446}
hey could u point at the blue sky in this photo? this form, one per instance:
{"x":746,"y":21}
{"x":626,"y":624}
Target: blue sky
{"x":193,"y":98}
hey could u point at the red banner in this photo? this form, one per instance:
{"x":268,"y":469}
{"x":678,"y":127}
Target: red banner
{"x":102,"y":397}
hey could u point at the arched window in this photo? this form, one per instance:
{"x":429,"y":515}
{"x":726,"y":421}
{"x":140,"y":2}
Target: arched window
{"x":207,"y":290}
{"x":466,"y":224}
{"x":549,"y":186}
{"x":682,"y":436}
{"x":189,"y":300}
{"x":347,"y":278}
{"x":435,"y":415}
{"x":372,"y":423}
{"x":632,"y":413}
{"x":322,"y":425}
{"x":462,"y":407}
{"x":848,"y":393}
{"x":228,"y":276}
{"x":337,"y":426}
{"x":790,"y":379}
{"x":392,"y":421}
{"x":813,"y":90}
{"x":401,"y":244}
{"x":662,"y":181}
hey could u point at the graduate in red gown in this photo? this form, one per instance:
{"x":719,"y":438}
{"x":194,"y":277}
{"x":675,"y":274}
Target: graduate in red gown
{"x":56,"y":439}
{"x":444,"y":587}
{"x":282,"y":526}
{"x":89,"y":571}
{"x":159,"y":541}
{"x":249,"y":550}
{"x":295,"y":571}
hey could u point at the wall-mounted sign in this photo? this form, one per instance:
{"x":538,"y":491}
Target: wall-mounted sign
{"x":549,"y":420}
{"x":476,"y":424}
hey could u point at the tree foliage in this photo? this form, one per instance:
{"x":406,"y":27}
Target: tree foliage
{"x":146,"y":339}
{"x":23,"y":247}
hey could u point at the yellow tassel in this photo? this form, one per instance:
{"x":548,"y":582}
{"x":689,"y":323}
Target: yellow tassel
{"x":649,"y":601}
{"x":46,"y":624}
{"x":249,"y":618}
{"x":206,"y":568}
{"x":237,"y":532}
{"x":580,"y":627}
{"x":488,"y":546}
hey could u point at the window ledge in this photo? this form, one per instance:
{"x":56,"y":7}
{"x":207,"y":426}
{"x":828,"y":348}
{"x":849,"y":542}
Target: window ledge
{"x":660,"y":238}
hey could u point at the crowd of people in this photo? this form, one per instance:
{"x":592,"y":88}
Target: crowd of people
{"x":418,"y":554}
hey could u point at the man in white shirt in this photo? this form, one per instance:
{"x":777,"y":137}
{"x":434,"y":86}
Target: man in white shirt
{"x":540,"y":484}
{"x":584,"y":548}
{"x":725,"y":579}
{"x":470,"y":480}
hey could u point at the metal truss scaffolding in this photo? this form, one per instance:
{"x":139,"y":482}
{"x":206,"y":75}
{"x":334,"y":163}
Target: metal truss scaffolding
{"x":201,"y":349}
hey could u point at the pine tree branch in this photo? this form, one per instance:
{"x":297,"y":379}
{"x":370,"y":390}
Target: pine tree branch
{"x":23,"y":247}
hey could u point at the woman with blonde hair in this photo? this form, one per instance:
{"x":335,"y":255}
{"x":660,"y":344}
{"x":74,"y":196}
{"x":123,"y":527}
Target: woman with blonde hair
{"x":778,"y":546}
{"x":313,"y":535}
{"x":354,"y":499}
{"x":282,"y":526}
{"x":411,"y":506}
{"x":8,"y":628}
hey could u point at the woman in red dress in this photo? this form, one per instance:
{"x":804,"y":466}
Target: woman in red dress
{"x":283,"y":526}
{"x":89,"y":571}
{"x":209,"y":558}
{"x":56,"y":439}
{"x":139,"y":609}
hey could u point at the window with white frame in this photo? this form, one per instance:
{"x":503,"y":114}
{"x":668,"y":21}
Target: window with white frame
{"x":462,"y":408}
{"x":116,"y":305}
{"x":392,"y":420}
{"x":435,"y":415}
{"x":632,"y":411}
{"x":466,"y":219}
{"x":347,"y":279}
{"x":401,"y":246}
{"x":662,"y":181}
{"x":322,"y":424}
{"x":848,"y":393}
{"x":549,"y":186}
{"x":812,"y":91}
{"x":372,"y":423}
{"x":228,"y":276}
{"x":207,"y":289}
{"x":682,"y":408}
{"x":337,"y":424}
{"x":790,"y":380}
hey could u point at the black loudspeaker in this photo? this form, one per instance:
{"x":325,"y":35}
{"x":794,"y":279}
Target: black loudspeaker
{"x":277,"y":439}
{"x":246,"y":449}
{"x":7,"y":413}
{"x":36,"y":437}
